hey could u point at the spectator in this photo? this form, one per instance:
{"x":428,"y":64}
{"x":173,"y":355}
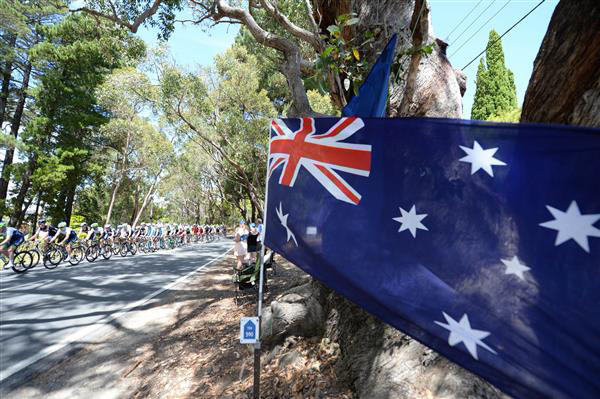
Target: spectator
{"x":239,"y":249}
{"x":260,"y":229}
{"x":252,"y":243}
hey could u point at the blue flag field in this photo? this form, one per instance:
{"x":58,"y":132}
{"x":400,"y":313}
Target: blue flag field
{"x":480,"y":240}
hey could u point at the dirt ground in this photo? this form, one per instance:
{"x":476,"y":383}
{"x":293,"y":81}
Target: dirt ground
{"x":201,"y":357}
{"x":189,"y":348}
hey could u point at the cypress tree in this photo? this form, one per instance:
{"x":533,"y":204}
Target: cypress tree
{"x":495,"y":91}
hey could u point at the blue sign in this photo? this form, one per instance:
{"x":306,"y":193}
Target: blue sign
{"x":249,"y":330}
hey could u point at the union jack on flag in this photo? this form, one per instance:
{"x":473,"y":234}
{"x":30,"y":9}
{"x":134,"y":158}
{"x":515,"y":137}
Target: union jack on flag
{"x":321,"y":154}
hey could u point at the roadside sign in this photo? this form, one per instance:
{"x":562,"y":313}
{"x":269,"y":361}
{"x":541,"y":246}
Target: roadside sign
{"x":249,"y":330}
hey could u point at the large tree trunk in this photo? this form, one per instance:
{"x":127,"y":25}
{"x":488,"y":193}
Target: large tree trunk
{"x":69,"y":202}
{"x":113,"y":197}
{"x":37,"y":210}
{"x":6,"y":77}
{"x":18,"y":211}
{"x":14,"y":131}
{"x":427,"y":85}
{"x":565,"y":84}
{"x":149,"y":195}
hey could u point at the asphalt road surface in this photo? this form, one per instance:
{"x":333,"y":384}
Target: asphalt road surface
{"x":42,"y":311}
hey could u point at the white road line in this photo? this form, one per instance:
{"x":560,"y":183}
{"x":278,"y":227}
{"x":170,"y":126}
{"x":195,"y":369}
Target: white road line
{"x":104,"y":321}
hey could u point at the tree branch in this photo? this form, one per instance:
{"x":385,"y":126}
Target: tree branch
{"x":312,"y":38}
{"x":133,"y":27}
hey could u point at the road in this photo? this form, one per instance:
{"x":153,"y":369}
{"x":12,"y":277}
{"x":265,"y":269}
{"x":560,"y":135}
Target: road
{"x":43,"y":311}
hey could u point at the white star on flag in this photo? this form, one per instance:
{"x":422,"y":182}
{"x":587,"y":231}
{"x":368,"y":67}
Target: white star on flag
{"x":462,"y":332}
{"x":514,"y":266}
{"x":411,"y":221}
{"x":480,"y":158}
{"x":283,"y":220}
{"x":572,"y":225}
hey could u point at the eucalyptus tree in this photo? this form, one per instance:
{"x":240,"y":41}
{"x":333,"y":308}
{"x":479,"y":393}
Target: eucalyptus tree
{"x":225,"y":112}
{"x":125,"y":94}
{"x":334,"y":41}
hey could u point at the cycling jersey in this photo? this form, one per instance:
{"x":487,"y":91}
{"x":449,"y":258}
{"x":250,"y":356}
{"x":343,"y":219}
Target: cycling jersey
{"x":15,"y":237}
{"x":72,"y":237}
{"x":67,"y":232}
{"x":96,"y":233}
{"x":51,"y":230}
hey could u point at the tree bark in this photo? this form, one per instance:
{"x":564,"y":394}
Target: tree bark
{"x":70,"y":198}
{"x":6,"y":78}
{"x":37,"y":210}
{"x":565,"y":84}
{"x":149,"y":194}
{"x":120,"y":176}
{"x":18,"y":211}
{"x":113,"y":196}
{"x":14,"y":131}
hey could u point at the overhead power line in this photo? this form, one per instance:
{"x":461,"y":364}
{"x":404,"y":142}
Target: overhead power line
{"x":481,"y":27}
{"x":463,"y":20}
{"x":502,"y":35}
{"x":475,"y":20}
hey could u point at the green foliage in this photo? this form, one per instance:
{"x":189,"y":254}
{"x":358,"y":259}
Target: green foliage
{"x":76,"y":220}
{"x":63,"y":139}
{"x":321,"y":103}
{"x":342,"y":55}
{"x":129,"y":10}
{"x":510,"y":116}
{"x":495,"y":91}
{"x":220,"y":117}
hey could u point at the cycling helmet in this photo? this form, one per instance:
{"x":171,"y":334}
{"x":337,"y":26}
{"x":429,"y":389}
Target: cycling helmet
{"x":43,"y":221}
{"x":107,"y":226}
{"x":62,"y":225}
{"x":83,"y":224}
{"x":94,"y":225}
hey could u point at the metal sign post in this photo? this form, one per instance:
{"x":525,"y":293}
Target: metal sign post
{"x":257,"y":351}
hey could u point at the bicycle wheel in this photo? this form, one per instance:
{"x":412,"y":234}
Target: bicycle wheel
{"x":107,"y":251}
{"x":91,"y":253}
{"x":36,"y":255}
{"x":22,"y":262}
{"x":123,"y":250}
{"x":133,"y":248}
{"x":53,"y":258}
{"x":116,"y":249}
{"x":77,"y":256}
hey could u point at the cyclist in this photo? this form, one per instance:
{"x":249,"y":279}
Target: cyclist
{"x":84,"y":231}
{"x":108,"y":233}
{"x":44,"y":232}
{"x":66,"y":236}
{"x":13,"y":238}
{"x":94,"y":232}
{"x":188,"y":233}
{"x":125,"y":231}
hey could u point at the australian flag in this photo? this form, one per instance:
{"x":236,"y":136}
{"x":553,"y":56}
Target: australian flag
{"x":480,"y":240}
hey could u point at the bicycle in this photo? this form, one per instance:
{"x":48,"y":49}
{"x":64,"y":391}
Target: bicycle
{"x":36,"y":253}
{"x":92,"y":251}
{"x":21,"y":261}
{"x":58,"y":253}
{"x":127,"y":247}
